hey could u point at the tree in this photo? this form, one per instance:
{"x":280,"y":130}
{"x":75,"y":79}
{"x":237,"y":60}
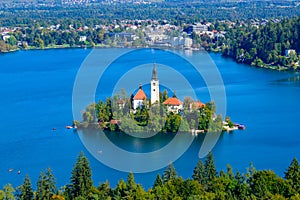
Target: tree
{"x":293,"y":174}
{"x":104,"y":190}
{"x":164,"y":95}
{"x":267,"y":182}
{"x":81,"y":179}
{"x":210,"y":170}
{"x":9,"y":192}
{"x":130,"y":184}
{"x":158,"y":182}
{"x":169,"y":174}
{"x":26,"y":191}
{"x":46,"y":185}
{"x":199,"y":173}
{"x":12,"y":40}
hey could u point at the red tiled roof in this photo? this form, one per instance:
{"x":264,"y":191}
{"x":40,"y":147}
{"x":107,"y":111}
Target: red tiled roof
{"x":173,"y":101}
{"x":114,"y":121}
{"x":140,"y":95}
{"x":198,"y":104}
{"x":120,"y":101}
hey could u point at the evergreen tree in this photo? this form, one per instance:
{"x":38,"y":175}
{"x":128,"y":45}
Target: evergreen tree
{"x":210,"y":170}
{"x":229,"y":172}
{"x":169,"y":174}
{"x":46,"y":185}
{"x":26,"y":192}
{"x":130,"y":184}
{"x":104,"y":190}
{"x":81,"y":179}
{"x":158,"y":181}
{"x":250,"y":171}
{"x":293,"y":174}
{"x":9,"y":192}
{"x":199,"y":173}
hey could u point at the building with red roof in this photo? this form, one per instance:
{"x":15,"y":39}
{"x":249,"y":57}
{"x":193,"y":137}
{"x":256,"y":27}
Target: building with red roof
{"x":173,"y":104}
{"x":196,"y":105}
{"x":139,"y":97}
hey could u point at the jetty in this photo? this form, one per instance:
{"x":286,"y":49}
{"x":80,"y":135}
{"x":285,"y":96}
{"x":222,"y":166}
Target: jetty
{"x":196,"y":132}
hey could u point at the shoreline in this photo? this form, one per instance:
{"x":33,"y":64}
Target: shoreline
{"x":264,"y":66}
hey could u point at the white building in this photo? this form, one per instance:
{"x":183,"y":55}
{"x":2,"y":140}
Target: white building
{"x":82,"y":38}
{"x":288,"y":52}
{"x":181,"y":41}
{"x":154,"y":86}
{"x":139,"y":98}
{"x":5,"y":37}
{"x":173,"y":104}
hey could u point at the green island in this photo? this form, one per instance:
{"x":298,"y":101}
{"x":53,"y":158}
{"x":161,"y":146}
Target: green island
{"x":206,"y":183}
{"x":159,"y":113}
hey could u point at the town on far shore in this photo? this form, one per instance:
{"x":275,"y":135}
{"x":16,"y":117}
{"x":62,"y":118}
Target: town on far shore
{"x":157,"y":113}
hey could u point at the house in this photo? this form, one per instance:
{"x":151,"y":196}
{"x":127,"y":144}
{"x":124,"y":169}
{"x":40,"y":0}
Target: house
{"x":196,"y":105}
{"x":121,"y":103}
{"x":288,"y":52}
{"x":82,"y":38}
{"x":139,"y":97}
{"x":5,"y":37}
{"x":173,"y":104}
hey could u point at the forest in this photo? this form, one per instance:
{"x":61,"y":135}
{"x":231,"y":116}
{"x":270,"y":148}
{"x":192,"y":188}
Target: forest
{"x":205,"y":183}
{"x":110,"y":115}
{"x":265,"y":46}
{"x":179,"y":11}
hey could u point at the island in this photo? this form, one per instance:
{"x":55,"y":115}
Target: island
{"x":157,"y":113}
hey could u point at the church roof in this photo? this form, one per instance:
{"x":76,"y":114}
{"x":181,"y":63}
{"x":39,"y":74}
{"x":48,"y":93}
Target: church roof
{"x":172,"y":101}
{"x":140,"y":95}
{"x":154,"y":73}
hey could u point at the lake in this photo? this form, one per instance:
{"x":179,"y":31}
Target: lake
{"x":36,"y":96}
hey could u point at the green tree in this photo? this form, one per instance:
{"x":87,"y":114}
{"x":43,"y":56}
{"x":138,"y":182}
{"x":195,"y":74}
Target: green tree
{"x":104,"y":190}
{"x":169,"y":174}
{"x":12,"y":40}
{"x":267,"y":182}
{"x":25,"y":190}
{"x":210,"y":170}
{"x":158,"y":181}
{"x":2,"y":195}
{"x":130,"y":184}
{"x":293,"y":174}
{"x":9,"y":192}
{"x":46,"y":185}
{"x":200,"y":173}
{"x":81,"y":179}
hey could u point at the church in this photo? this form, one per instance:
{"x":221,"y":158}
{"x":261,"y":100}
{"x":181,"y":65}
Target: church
{"x":173,"y":104}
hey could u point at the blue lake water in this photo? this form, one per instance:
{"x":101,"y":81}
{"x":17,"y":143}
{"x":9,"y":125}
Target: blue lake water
{"x":36,"y":95}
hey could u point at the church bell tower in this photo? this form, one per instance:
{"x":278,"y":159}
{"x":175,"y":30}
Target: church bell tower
{"x":154,"y":86}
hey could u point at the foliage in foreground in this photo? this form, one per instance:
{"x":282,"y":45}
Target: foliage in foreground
{"x":206,"y":183}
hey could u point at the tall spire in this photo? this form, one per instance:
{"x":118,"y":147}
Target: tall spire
{"x":154,"y":74}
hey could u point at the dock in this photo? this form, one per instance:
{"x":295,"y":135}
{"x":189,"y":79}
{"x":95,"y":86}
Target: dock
{"x":196,"y":132}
